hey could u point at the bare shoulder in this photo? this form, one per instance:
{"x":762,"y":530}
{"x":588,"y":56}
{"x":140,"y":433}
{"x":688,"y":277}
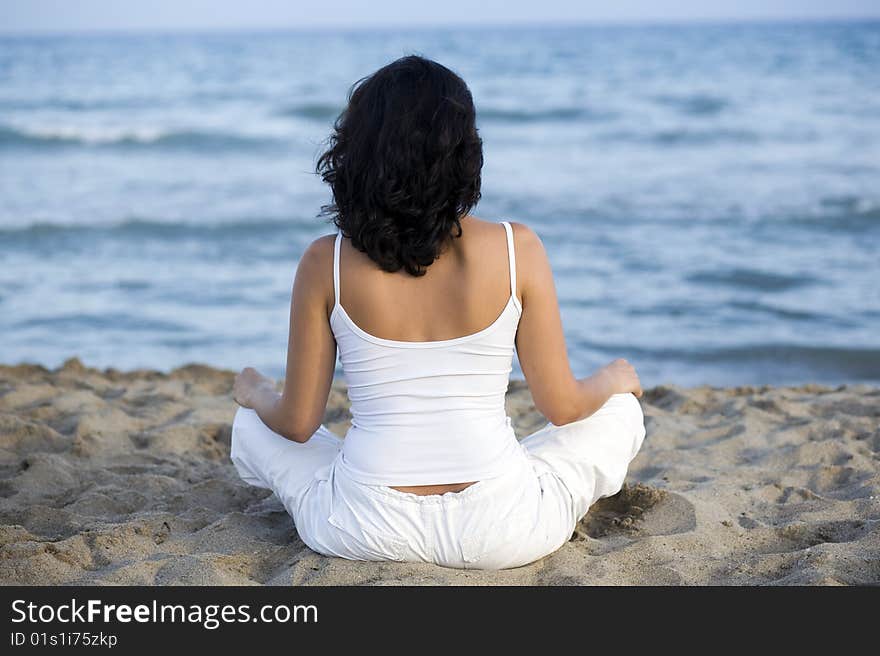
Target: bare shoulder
{"x":534,"y":275}
{"x":527,"y":243}
{"x":315,"y":268}
{"x":319,"y":253}
{"x":523,"y":236}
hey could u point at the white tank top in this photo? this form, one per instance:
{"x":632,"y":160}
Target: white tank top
{"x":428,"y":413}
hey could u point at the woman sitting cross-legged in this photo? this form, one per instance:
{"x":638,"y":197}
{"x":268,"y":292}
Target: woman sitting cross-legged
{"x":424,"y":303}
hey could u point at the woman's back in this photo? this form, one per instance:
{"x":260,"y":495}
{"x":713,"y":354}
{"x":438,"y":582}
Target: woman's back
{"x":462,"y":292}
{"x":427,"y":402}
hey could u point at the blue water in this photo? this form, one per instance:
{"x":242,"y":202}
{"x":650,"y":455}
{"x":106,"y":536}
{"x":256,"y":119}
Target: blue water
{"x":709,"y":195}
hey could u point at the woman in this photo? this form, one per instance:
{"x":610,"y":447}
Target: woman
{"x":425,"y":303}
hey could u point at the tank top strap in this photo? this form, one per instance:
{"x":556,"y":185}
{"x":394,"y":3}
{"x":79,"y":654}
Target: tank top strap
{"x":511,"y":258}
{"x":336,"y":267}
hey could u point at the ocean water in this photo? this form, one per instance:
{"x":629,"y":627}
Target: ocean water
{"x":709,"y":195}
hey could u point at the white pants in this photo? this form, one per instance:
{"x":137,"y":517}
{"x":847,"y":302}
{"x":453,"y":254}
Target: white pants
{"x":497,"y":523}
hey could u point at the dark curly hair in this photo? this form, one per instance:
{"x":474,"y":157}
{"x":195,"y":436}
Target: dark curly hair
{"x":404,"y":163}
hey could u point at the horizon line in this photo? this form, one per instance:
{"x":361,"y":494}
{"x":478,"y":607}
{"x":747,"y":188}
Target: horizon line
{"x":388,"y":27}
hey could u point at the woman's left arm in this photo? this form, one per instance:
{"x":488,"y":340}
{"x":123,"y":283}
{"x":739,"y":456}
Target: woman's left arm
{"x":296,"y":413}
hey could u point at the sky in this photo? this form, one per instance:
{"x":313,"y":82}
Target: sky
{"x":126,"y":15}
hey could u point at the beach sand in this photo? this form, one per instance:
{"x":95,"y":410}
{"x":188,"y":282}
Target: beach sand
{"x":111,"y":477}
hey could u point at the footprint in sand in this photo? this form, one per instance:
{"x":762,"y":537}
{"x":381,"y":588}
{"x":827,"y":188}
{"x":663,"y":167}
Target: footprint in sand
{"x":638,"y":510}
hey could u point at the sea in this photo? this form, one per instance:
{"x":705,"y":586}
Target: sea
{"x":708,"y":194}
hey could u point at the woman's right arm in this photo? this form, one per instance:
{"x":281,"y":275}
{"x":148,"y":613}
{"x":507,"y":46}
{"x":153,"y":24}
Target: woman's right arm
{"x":540,"y":344}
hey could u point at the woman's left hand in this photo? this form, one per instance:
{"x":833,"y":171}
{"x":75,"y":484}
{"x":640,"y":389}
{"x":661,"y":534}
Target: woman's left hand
{"x":247,"y":384}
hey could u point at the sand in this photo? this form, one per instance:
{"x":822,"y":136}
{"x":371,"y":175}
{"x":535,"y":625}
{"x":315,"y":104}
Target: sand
{"x":111,"y":477}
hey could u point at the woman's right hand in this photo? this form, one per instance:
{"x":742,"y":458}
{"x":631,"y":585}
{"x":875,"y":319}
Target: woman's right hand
{"x":621,"y":377}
